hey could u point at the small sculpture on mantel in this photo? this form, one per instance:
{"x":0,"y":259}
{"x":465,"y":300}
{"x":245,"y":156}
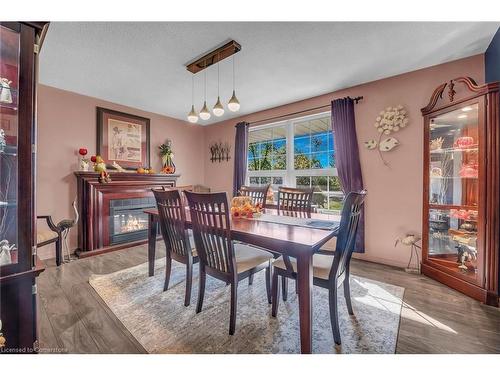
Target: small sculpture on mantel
{"x":100,"y":167}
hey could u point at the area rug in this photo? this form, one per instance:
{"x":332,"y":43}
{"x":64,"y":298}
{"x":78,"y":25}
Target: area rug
{"x":161,"y":324}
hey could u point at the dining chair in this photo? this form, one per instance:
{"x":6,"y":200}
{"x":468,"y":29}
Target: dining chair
{"x":329,"y":271}
{"x":299,"y":202}
{"x":220,"y":257}
{"x":258,"y":194}
{"x":293,"y":199}
{"x":178,"y":242}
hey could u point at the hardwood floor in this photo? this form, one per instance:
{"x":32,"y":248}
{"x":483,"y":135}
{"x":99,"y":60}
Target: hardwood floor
{"x":434,"y":319}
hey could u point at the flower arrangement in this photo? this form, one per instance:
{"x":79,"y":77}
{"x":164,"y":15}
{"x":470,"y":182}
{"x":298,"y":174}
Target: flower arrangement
{"x":84,"y":162}
{"x":167,"y":157}
{"x":242,"y":207}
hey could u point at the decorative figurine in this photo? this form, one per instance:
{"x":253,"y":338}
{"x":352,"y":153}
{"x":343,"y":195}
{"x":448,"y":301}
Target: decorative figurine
{"x":5,"y":91}
{"x":5,"y":250}
{"x":118,"y":167}
{"x":100,"y":167}
{"x":65,"y":226}
{"x":465,"y":254}
{"x":2,"y":339}
{"x":167,"y":157}
{"x":84,"y":162}
{"x":3,"y":143}
{"x":436,"y":144}
{"x":411,"y":240}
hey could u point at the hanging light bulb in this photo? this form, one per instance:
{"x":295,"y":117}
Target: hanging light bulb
{"x":234,"y":103}
{"x":192,"y":115}
{"x":218,"y":107}
{"x":205,"y":113}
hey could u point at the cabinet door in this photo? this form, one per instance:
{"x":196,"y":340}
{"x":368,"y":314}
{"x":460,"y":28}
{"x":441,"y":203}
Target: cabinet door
{"x":10,"y":40}
{"x":454,"y":185}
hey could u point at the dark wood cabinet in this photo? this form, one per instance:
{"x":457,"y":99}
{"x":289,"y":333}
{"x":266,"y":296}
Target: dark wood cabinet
{"x":19,"y":266}
{"x":461,"y":225}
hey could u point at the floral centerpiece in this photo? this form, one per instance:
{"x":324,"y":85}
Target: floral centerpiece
{"x":243,"y":207}
{"x":84,"y":162}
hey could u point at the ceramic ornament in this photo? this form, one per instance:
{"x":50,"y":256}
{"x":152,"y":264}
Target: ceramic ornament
{"x":371,"y":144}
{"x":388,"y":121}
{"x":388,"y":144}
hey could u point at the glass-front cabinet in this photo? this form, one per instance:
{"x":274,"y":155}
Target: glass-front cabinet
{"x":459,"y":174}
{"x":9,"y":142}
{"x":19,"y":266}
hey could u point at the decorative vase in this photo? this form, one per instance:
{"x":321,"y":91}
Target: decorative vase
{"x":168,"y":164}
{"x":84,"y":164}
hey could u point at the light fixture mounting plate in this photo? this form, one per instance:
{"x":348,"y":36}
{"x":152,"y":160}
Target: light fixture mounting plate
{"x":214,"y":56}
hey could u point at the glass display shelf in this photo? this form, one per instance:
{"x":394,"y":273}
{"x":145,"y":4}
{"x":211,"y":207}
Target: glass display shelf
{"x":9,"y":138}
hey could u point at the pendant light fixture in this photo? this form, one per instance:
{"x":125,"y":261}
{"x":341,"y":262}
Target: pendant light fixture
{"x":205,"y":112}
{"x":192,"y":115}
{"x":218,"y":108}
{"x":234,"y":103}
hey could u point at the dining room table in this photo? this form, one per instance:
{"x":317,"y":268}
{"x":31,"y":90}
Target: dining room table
{"x":289,"y":233}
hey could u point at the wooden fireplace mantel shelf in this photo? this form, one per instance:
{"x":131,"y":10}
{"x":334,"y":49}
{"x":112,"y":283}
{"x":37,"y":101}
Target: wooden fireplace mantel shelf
{"x":129,"y":176}
{"x":94,"y":200}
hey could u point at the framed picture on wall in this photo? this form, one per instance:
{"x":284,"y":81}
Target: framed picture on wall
{"x":123,"y":138}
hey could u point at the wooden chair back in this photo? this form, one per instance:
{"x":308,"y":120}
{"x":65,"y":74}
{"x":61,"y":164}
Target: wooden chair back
{"x":346,"y":237}
{"x":212,"y":231}
{"x":257,"y":193}
{"x":172,"y":221}
{"x":291,"y":199}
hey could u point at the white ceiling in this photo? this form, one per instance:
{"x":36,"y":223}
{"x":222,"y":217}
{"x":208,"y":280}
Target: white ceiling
{"x":141,"y":64}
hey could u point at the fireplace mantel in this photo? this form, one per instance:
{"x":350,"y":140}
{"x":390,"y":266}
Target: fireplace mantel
{"x":94,"y":199}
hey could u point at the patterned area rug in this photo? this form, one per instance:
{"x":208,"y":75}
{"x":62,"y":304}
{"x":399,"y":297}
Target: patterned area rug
{"x":161,"y":323}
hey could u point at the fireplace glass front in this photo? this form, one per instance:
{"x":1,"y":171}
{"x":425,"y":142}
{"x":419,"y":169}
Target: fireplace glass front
{"x":128,"y":222}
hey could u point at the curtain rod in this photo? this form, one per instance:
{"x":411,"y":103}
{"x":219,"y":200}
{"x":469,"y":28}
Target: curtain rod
{"x":356,"y":100}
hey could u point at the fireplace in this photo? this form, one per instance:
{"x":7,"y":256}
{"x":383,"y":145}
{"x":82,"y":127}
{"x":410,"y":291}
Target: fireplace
{"x":127,"y":220}
{"x":111,"y":213}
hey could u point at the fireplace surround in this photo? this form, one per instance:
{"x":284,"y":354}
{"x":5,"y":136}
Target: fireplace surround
{"x":112,"y":213}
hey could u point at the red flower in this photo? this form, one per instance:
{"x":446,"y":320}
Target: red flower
{"x":93,"y":159}
{"x":236,"y":214}
{"x":82,"y":151}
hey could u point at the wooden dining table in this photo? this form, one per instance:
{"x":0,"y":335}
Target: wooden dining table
{"x":287,"y":239}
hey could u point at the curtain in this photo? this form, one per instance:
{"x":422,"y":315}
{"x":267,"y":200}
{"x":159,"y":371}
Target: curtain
{"x":240,"y":156}
{"x":347,"y":156}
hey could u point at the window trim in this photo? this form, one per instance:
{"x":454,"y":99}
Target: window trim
{"x":290,"y":174}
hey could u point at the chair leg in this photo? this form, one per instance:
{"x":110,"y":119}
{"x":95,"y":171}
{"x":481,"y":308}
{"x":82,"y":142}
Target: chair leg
{"x":268,"y":283}
{"x":334,"y":317}
{"x":168,"y":269}
{"x":59,"y":250}
{"x":347,"y":295}
{"x":234,"y":304}
{"x":189,"y":282}
{"x":275,"y":294}
{"x":284,"y":287}
{"x":250,"y":279}
{"x":201,"y":289}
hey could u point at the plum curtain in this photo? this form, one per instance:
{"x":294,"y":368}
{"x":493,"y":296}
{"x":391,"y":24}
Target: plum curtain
{"x":347,"y":156}
{"x":240,"y":156}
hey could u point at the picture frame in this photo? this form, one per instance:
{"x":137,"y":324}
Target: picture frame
{"x":123,"y":138}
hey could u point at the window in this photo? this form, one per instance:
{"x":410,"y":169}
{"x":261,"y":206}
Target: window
{"x":297,"y":153}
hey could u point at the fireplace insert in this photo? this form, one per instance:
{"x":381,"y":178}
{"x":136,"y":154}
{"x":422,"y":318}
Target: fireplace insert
{"x":127,"y":220}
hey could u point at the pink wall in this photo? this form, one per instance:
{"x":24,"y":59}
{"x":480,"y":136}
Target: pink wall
{"x":394,"y":201}
{"x":67,"y":121}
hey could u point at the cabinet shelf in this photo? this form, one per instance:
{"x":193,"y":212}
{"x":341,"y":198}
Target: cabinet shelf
{"x":455,"y":149}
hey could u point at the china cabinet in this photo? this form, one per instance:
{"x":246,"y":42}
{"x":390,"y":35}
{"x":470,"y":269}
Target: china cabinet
{"x":460,"y":235}
{"x":19,"y":266}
